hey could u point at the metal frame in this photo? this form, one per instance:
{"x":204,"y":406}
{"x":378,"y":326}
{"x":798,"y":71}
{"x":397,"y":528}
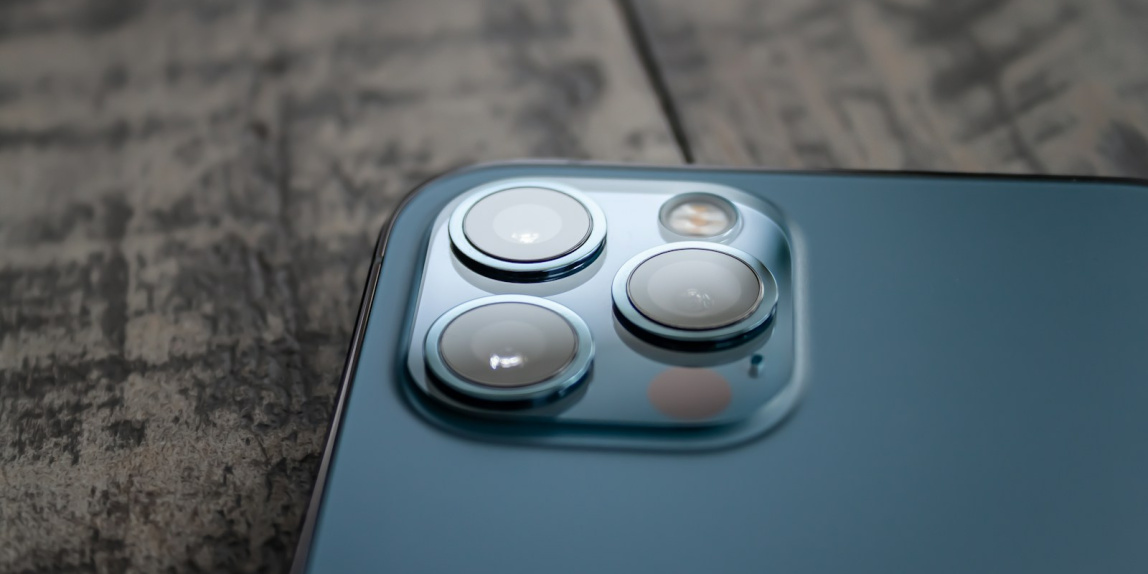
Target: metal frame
{"x":553,"y":386}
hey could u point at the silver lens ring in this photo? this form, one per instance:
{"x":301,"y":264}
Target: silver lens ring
{"x":558,"y":384}
{"x":735,"y":325}
{"x":584,"y":252}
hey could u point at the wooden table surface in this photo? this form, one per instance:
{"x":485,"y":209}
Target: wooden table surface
{"x":189,"y":193}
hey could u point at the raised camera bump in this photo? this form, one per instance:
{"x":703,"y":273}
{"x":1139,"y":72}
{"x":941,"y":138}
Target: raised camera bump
{"x":695,"y":293}
{"x":509,"y":349}
{"x":527,"y":231}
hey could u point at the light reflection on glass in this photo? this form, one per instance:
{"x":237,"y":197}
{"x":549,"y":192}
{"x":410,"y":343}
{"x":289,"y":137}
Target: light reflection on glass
{"x":525,"y":237}
{"x":509,"y":362}
{"x":696,"y":300}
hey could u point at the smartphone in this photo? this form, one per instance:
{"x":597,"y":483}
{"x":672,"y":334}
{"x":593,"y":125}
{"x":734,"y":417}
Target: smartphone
{"x":563,"y":367}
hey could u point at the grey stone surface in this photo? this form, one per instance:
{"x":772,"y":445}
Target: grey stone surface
{"x":189,"y":194}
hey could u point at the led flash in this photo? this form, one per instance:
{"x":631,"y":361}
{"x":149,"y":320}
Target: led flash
{"x":699,"y":215}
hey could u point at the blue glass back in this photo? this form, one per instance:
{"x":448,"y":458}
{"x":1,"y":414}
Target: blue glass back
{"x":968,"y":386}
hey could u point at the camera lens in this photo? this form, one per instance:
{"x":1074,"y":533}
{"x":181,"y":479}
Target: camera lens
{"x":695,"y":292}
{"x":694,"y":289}
{"x":527,"y":224}
{"x":529,"y":232}
{"x":509,"y":348}
{"x":508,"y":344}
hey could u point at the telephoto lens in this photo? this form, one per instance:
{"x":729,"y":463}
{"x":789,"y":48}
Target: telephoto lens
{"x":695,"y":293}
{"x":527,"y":232}
{"x":509,"y":348}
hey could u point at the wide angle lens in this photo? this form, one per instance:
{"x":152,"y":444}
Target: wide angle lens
{"x":695,"y":292}
{"x":509,"y":348}
{"x":527,"y":224}
{"x":528,"y":233}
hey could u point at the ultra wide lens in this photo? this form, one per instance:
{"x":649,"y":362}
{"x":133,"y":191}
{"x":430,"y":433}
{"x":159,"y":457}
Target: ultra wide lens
{"x":508,"y":344}
{"x":509,"y":348}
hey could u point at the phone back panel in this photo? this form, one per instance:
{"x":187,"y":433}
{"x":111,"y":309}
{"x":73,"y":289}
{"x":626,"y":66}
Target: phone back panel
{"x":973,"y":355}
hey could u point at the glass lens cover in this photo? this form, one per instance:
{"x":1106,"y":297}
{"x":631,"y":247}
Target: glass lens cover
{"x":527,"y":224}
{"x":694,"y":289}
{"x":508,"y":345}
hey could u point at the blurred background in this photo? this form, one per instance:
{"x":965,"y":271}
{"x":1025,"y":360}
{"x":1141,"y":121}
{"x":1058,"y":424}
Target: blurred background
{"x":190,"y":192}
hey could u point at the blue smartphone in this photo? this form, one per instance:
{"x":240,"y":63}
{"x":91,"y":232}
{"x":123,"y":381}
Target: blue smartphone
{"x":564,"y":367}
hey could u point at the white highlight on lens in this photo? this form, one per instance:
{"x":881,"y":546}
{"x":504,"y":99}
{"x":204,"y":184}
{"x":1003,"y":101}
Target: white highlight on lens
{"x":499,"y":362}
{"x":528,"y":224}
{"x":696,"y":300}
{"x":525,"y":237}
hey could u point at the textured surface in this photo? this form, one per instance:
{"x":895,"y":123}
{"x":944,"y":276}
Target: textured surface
{"x":1022,"y":86}
{"x":189,"y":192}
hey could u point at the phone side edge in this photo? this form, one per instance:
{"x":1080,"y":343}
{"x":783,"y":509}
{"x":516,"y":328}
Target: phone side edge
{"x":308,"y":523}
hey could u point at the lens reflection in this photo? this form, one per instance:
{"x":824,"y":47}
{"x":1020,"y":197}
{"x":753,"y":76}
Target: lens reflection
{"x":694,"y":289}
{"x":508,"y":344}
{"x":527,"y":224}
